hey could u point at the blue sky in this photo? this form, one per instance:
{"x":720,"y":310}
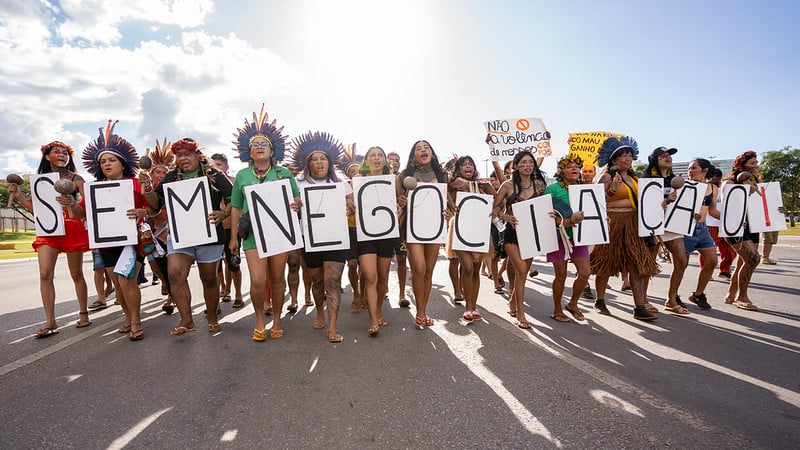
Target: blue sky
{"x":712,"y":79}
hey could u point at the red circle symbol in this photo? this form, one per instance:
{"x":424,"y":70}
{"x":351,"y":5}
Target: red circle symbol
{"x":523,"y":124}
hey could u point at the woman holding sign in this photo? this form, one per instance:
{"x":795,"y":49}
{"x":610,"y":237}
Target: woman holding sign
{"x":57,"y":158}
{"x":465,"y":179}
{"x":260,"y":144}
{"x":745,"y":171}
{"x":626,"y":250}
{"x":111,"y":158}
{"x":701,"y":239}
{"x":423,"y":166}
{"x":526,"y":183}
{"x":315,"y":155}
{"x":567,"y":173}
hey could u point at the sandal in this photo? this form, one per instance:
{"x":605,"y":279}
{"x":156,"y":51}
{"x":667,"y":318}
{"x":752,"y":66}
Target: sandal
{"x":275,"y":334}
{"x":476,"y":315}
{"x":292,"y":308}
{"x":124,"y":329}
{"x":318,"y":324}
{"x":226,"y":298}
{"x":83,"y":323}
{"x":745,"y":305}
{"x":334,"y":336}
{"x":214,"y":328}
{"x":177,"y":331}
{"x":45,"y":332}
{"x":373,"y":330}
{"x":512,"y":313}
{"x":650,"y":308}
{"x":358,"y":305}
{"x":423,"y":321}
{"x":137,"y":335}
{"x":523,"y":324}
{"x":677,"y":309}
{"x":560,"y":318}
{"x":98,"y":305}
{"x":382,"y":322}
{"x":168,"y":307}
{"x":259,"y":335}
{"x":576,"y":313}
{"x":468,"y":316}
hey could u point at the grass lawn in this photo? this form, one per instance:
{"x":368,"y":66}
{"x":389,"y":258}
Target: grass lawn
{"x":21,"y":237}
{"x":789,"y":231}
{"x":19,"y":245}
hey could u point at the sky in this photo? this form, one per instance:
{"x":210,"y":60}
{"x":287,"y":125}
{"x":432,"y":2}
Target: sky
{"x":710,"y":78}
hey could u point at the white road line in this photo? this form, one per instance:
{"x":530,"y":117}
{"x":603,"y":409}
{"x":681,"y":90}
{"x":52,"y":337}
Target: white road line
{"x":126,"y":438}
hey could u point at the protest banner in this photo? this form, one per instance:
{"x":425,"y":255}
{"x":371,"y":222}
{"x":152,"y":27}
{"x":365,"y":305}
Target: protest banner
{"x":734,"y":209}
{"x":375,"y":199}
{"x":107,"y":204}
{"x":425,"y":222}
{"x":587,"y":145}
{"x":762,"y":208}
{"x":679,"y":217}
{"x":188,"y":205}
{"x":276,"y":227}
{"x":511,"y":136}
{"x":471,"y":232}
{"x":536,"y":229}
{"x":47,"y":212}
{"x":590,"y":199}
{"x":651,"y":214}
{"x":324,"y":218}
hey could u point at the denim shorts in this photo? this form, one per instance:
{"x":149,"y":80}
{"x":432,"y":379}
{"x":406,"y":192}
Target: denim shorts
{"x":202,"y":254}
{"x":699,"y":240}
{"x":97,"y":260}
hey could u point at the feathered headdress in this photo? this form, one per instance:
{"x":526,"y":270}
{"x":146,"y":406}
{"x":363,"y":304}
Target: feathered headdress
{"x":162,"y":155}
{"x":302,"y":147}
{"x":611,"y":146}
{"x":108,"y":142}
{"x":565,"y":161}
{"x":47,"y":147}
{"x":350,"y":157}
{"x":259,"y":127}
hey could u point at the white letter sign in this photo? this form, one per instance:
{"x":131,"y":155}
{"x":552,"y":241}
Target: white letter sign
{"x":376,"y":208}
{"x":651,"y":214}
{"x":536,"y":230}
{"x":276,"y":227}
{"x":590,"y":199}
{"x":762,"y":210}
{"x":680,"y":213}
{"x":734,"y":209}
{"x":107,"y":203}
{"x":46,"y":209}
{"x":471,"y":230}
{"x":324,"y":218}
{"x":188,"y":205}
{"x":425,"y":221}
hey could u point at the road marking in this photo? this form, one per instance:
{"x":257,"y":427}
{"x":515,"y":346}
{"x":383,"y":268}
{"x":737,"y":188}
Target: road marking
{"x":126,"y":438}
{"x":229,"y":436}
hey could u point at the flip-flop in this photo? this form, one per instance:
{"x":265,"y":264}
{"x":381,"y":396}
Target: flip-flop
{"x":44,"y":332}
{"x":677,"y":309}
{"x":259,"y":335}
{"x":318,"y":324}
{"x":577,"y":314}
{"x":560,"y":318}
{"x":745,"y":305}
{"x":292,"y":309}
{"x":334,"y":337}
{"x":214,"y":328}
{"x":177,"y":331}
{"x":523,"y":325}
{"x":98,"y":305}
{"x":275,"y":334}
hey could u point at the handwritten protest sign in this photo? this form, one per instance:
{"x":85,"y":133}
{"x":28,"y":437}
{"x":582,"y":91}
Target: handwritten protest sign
{"x":587,"y":145}
{"x":762,"y":210}
{"x":651,"y":214}
{"x":425,"y":222}
{"x":536,"y":230}
{"x":471,"y":230}
{"x":590,"y":199}
{"x":679,"y":216}
{"x":46,"y":209}
{"x":511,"y":136}
{"x":188,"y":205}
{"x":376,"y":207}
{"x":276,"y":227}
{"x":734,"y":209}
{"x":324,"y":221}
{"x":107,"y":203}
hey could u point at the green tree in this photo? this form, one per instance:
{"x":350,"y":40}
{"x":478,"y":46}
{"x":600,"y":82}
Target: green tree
{"x":783,"y":166}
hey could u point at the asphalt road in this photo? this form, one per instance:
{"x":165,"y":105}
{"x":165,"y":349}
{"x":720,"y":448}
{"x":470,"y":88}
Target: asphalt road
{"x":724,"y":378}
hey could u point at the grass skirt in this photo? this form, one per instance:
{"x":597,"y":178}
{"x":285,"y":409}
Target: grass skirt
{"x":625,"y":250}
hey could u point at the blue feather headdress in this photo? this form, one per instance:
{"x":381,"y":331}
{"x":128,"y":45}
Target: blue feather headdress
{"x":612,"y":146}
{"x":260,"y":126}
{"x":302,"y":147}
{"x":108,"y":142}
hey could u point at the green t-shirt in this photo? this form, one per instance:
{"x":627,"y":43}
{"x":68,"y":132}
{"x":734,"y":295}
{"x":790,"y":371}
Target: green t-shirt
{"x":560,"y":196}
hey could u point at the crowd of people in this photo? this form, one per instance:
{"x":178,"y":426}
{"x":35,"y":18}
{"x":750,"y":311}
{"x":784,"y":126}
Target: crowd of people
{"x":318,"y":158}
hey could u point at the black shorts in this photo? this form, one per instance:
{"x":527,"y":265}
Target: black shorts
{"x":384,"y":248}
{"x":353,"y":252}
{"x":111,"y":255}
{"x":746,"y":236}
{"x":400,"y":247}
{"x":314,"y":260}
